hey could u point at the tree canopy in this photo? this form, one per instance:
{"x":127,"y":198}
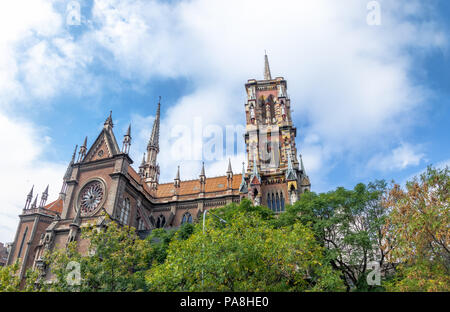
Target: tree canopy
{"x":324,"y":242}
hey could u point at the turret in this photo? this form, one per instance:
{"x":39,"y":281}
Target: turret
{"x":127,"y":141}
{"x":229,"y":175}
{"x":202,"y":179}
{"x":176,"y":181}
{"x":68,"y":173}
{"x":243,"y":189}
{"x":29,"y":198}
{"x":44,"y":198}
{"x":83,"y":150}
{"x":151,"y":168}
{"x":108,"y":122}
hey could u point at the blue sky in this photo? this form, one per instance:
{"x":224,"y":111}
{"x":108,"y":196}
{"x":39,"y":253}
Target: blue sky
{"x":370,"y":102}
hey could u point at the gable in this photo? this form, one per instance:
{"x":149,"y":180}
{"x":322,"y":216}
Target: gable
{"x":105,"y":146}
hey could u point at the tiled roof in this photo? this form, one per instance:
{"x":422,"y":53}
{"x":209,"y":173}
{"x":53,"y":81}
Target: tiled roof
{"x":55,"y":206}
{"x":189,"y":187}
{"x":215,"y":184}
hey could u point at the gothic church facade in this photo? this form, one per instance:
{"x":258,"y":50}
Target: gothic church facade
{"x":101,"y":179}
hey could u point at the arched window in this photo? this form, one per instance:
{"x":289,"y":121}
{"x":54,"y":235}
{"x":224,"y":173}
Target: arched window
{"x":186,"y":218}
{"x":278,"y":203}
{"x":141,"y":225}
{"x":274,"y":207}
{"x":161,"y":221}
{"x":269,"y":202}
{"x":282,"y":201}
{"x":125,"y":211}
{"x":23,"y":240}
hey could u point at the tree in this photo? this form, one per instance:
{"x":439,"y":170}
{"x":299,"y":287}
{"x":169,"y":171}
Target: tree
{"x":350,"y":224}
{"x":10,"y":281}
{"x":419,"y":222}
{"x":245,"y":254}
{"x":116,"y":261}
{"x":9,"y":278}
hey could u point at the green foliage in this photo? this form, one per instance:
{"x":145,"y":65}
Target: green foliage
{"x":349,"y":223}
{"x":116,"y":260}
{"x":324,"y":242}
{"x":246,"y":206}
{"x":9,"y":278}
{"x":10,"y":282}
{"x":245,"y":254}
{"x":420,"y":221}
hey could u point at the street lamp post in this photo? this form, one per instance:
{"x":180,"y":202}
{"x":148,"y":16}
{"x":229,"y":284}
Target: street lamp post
{"x":204,"y":218}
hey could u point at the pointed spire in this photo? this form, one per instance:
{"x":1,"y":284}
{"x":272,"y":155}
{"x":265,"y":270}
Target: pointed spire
{"x":46,"y":191}
{"x":290,"y":172}
{"x":267,"y":75}
{"x":229,"y":175}
{"x":302,"y":167}
{"x":229,"y":170}
{"x":83,"y":150}
{"x":29,"y":198}
{"x":255,"y":169}
{"x":243,"y":187}
{"x":143,"y":161}
{"x":202,"y":173}
{"x":109,"y":121}
{"x":202,"y":178}
{"x":34,"y":205}
{"x":176,"y":182}
{"x":44,"y":197}
{"x":30,"y":194}
{"x":154,"y":137}
{"x":74,"y":153}
{"x":69,"y":167}
{"x":127,"y":141}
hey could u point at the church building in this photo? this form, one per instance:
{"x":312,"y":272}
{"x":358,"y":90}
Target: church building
{"x":100,"y":179}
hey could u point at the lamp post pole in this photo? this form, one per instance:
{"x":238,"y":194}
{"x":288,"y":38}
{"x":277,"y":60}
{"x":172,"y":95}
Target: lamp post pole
{"x":204,"y":218}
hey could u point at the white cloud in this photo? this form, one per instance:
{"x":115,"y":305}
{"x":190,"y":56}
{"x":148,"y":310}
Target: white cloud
{"x":400,"y":158}
{"x":349,"y":83}
{"x":21,"y":167}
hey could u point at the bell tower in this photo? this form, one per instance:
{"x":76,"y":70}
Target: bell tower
{"x":270,"y":142}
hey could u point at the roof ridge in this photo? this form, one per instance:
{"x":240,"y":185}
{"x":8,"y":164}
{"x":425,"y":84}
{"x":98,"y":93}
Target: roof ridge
{"x":190,"y":180}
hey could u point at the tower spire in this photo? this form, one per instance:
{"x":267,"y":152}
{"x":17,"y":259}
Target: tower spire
{"x":151,"y":168}
{"x":290,"y":173}
{"x":176,"y":182}
{"x":83,"y":150}
{"x":154,"y":137}
{"x":243,"y":187}
{"x":202,"y":178}
{"x":267,"y":75}
{"x":229,"y":175}
{"x":29,"y":198}
{"x":44,"y":197}
{"x":301,"y":165}
{"x":127,"y":141}
{"x":229,"y":170}
{"x":34,"y":204}
{"x":108,"y":121}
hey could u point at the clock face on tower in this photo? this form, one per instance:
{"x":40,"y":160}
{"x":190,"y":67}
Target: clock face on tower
{"x":91,"y":196}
